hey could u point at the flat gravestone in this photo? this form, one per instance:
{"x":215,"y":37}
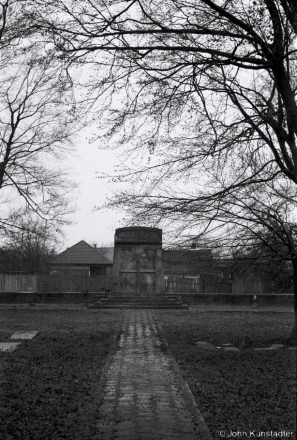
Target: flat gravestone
{"x":275,"y":346}
{"x":8,"y":346}
{"x":24,"y":335}
{"x":205,"y":345}
{"x":228,"y":348}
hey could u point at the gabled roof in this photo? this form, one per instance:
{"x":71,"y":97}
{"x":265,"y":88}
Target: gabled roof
{"x":81,"y":253}
{"x":107,"y":253}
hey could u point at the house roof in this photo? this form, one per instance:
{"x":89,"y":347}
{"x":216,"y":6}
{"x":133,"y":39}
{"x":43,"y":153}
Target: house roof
{"x":81,"y":253}
{"x":178,"y":261}
{"x":106,"y":252}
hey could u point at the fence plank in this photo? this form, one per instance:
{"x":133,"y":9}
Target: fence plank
{"x":18,"y":283}
{"x":54,"y":283}
{"x":98,"y":283}
{"x":175,"y":284}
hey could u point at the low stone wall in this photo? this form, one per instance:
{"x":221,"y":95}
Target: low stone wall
{"x":243,"y":299}
{"x":191,"y":298}
{"x":47,"y":298}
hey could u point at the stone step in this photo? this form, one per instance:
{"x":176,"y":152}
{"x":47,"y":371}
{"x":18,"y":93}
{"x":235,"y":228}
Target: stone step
{"x":137,"y":306}
{"x":143,"y":297}
{"x":138,"y":301}
{"x":133,"y":305}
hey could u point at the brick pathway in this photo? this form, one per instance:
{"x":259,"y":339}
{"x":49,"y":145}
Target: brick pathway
{"x":144,"y":396}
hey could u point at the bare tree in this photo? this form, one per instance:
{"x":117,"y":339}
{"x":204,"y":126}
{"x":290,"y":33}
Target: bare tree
{"x":267,"y":233}
{"x":189,"y":80}
{"x":37,"y":120}
{"x":259,"y":220}
{"x":28,"y":247}
{"x":269,"y":264}
{"x":202,"y":94}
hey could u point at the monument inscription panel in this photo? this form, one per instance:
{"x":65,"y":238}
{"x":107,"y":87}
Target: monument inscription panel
{"x":139,"y":235}
{"x":138,"y":268}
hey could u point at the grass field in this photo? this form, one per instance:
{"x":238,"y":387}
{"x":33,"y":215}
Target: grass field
{"x":50,"y":385}
{"x":244,"y":391}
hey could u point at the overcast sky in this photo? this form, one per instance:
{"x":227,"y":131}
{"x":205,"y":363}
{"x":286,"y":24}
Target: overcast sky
{"x":99,"y":226}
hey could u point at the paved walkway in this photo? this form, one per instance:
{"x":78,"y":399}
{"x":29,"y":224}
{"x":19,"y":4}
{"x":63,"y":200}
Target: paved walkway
{"x":144,"y":395}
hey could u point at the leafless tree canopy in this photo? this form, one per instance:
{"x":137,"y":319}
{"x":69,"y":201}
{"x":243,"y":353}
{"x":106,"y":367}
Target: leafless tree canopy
{"x":193,"y":79}
{"x":29,"y":247}
{"x":37,"y":119}
{"x":202,"y":94}
{"x":204,"y":91}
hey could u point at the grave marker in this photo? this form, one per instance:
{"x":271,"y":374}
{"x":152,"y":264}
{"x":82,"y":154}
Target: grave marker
{"x":8,"y":346}
{"x":24,"y":335}
{"x":205,"y":345}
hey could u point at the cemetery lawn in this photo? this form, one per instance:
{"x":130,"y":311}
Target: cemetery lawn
{"x":49,"y":385}
{"x":244,"y":391}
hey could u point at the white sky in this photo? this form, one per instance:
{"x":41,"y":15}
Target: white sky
{"x":99,"y":226}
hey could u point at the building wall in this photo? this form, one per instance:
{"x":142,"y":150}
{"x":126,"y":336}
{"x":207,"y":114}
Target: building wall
{"x":81,"y":270}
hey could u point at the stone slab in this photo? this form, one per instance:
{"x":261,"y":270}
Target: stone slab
{"x":205,"y":345}
{"x":9,"y":346}
{"x":231,"y":349}
{"x":24,"y":335}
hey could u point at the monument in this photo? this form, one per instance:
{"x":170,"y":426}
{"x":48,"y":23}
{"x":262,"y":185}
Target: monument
{"x":138,"y":265}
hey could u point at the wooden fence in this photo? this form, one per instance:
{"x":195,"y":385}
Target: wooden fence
{"x":18,"y":283}
{"x":176,"y":284}
{"x":54,"y":283}
{"x":62,"y":284}
{"x":194,"y":285}
{"x":257,"y":286}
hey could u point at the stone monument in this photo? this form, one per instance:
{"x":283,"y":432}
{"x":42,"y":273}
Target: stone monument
{"x":138,"y":265}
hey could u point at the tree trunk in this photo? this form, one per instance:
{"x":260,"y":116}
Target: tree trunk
{"x":292,"y":338}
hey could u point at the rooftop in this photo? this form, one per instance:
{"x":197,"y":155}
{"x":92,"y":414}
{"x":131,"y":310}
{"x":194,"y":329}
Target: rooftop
{"x":83,"y":253}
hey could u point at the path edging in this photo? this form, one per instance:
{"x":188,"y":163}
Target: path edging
{"x":199,"y":419}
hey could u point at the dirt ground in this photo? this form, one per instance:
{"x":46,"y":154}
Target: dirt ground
{"x":50,"y":385}
{"x":249,"y":390}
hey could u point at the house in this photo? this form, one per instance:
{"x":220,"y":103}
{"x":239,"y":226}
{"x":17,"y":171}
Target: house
{"x":83,"y":259}
{"x":195,"y":265}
